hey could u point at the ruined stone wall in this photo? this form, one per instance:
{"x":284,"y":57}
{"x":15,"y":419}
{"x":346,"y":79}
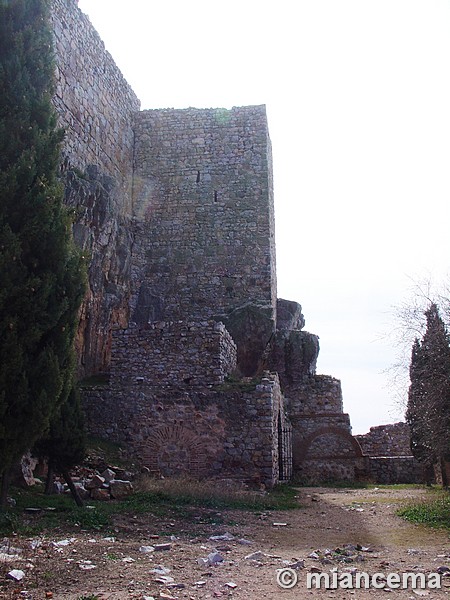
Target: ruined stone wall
{"x":203,"y":186}
{"x":395,"y":469}
{"x":223,"y":430}
{"x":323,"y":446}
{"x":316,"y":395}
{"x":95,"y":107}
{"x":170,"y":354}
{"x":386,"y":440}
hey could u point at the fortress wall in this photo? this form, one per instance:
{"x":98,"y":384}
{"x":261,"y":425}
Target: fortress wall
{"x":228,"y":430}
{"x":386,"y":440}
{"x":172,"y":354}
{"x":317,"y":395}
{"x":203,"y":191}
{"x":94,"y":102}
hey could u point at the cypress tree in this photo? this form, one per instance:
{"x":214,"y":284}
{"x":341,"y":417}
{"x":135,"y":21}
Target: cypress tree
{"x":428,"y":410}
{"x":64,"y":444}
{"x":41,"y":272}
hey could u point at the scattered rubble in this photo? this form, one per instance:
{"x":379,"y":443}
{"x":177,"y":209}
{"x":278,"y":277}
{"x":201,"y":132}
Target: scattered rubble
{"x":92,"y":564}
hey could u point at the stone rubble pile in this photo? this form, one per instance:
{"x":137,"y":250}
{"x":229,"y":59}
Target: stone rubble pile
{"x":100,"y":486}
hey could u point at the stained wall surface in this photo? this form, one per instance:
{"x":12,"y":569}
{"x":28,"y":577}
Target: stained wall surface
{"x":95,"y":106}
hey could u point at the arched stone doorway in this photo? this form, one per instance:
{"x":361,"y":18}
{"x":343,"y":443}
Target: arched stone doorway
{"x":327,"y":454}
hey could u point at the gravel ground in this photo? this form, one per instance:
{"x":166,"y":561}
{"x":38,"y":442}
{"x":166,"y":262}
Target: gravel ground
{"x":147,"y":557}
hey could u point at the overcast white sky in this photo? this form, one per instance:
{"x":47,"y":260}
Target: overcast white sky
{"x":358,"y":101}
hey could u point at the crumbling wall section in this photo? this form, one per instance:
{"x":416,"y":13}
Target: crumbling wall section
{"x":386,"y":440}
{"x":395,"y":469}
{"x":323,"y":445}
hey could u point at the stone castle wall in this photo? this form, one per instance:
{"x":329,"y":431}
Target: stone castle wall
{"x":175,"y":209}
{"x":389,"y":452}
{"x":95,"y":103}
{"x":386,"y":440}
{"x":223,"y":430}
{"x":167,"y":354}
{"x":204,"y":231}
{"x":395,"y":469}
{"x":323,"y":445}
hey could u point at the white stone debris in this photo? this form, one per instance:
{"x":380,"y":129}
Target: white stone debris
{"x":16,"y":575}
{"x":62,"y":543}
{"x":86,"y":565}
{"x":256,"y":556}
{"x":226,"y":537}
{"x":160,"y":570}
{"x":164,"y":579}
{"x":162,"y":547}
{"x":245,"y":542}
{"x":214,"y":558}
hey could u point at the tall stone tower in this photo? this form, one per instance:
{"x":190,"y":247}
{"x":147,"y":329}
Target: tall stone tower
{"x":205,"y":240}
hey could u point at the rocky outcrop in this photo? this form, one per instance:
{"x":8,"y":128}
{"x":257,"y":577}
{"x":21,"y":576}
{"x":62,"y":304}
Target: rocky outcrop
{"x":294,"y":352}
{"x":105,"y":236}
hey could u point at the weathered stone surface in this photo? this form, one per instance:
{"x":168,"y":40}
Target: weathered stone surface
{"x":203,"y":178}
{"x":172,"y":353}
{"x":95,"y":482}
{"x":82,"y":491}
{"x":387,"y":440}
{"x":252,"y":327}
{"x":95,"y":106}
{"x":120,"y":489}
{"x":294,"y":355}
{"x":108,"y":475}
{"x":100,"y":494}
{"x":105,"y":235}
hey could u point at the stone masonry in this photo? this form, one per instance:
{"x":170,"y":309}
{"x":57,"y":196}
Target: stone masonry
{"x":205,"y":371}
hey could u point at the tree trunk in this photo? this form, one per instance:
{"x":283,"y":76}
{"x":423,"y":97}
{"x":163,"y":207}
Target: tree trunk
{"x":49,"y":481}
{"x":443,"y":470}
{"x":6,"y":477}
{"x":72,"y":488}
{"x":429,"y":475}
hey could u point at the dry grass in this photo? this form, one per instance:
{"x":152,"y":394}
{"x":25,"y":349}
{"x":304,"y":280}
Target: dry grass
{"x":217,"y":493}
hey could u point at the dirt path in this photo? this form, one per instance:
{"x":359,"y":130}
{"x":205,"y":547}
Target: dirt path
{"x":361,"y":523}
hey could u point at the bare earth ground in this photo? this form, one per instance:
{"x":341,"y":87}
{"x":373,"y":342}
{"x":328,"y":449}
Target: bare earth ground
{"x":326,"y":519}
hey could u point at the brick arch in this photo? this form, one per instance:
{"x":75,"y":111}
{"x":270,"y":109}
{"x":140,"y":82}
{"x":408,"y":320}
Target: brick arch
{"x":173,"y":449}
{"x":304,"y":446}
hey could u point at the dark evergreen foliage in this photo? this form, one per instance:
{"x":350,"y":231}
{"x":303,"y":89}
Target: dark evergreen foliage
{"x":64,"y":444}
{"x":41,"y":273}
{"x":428,"y":411}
